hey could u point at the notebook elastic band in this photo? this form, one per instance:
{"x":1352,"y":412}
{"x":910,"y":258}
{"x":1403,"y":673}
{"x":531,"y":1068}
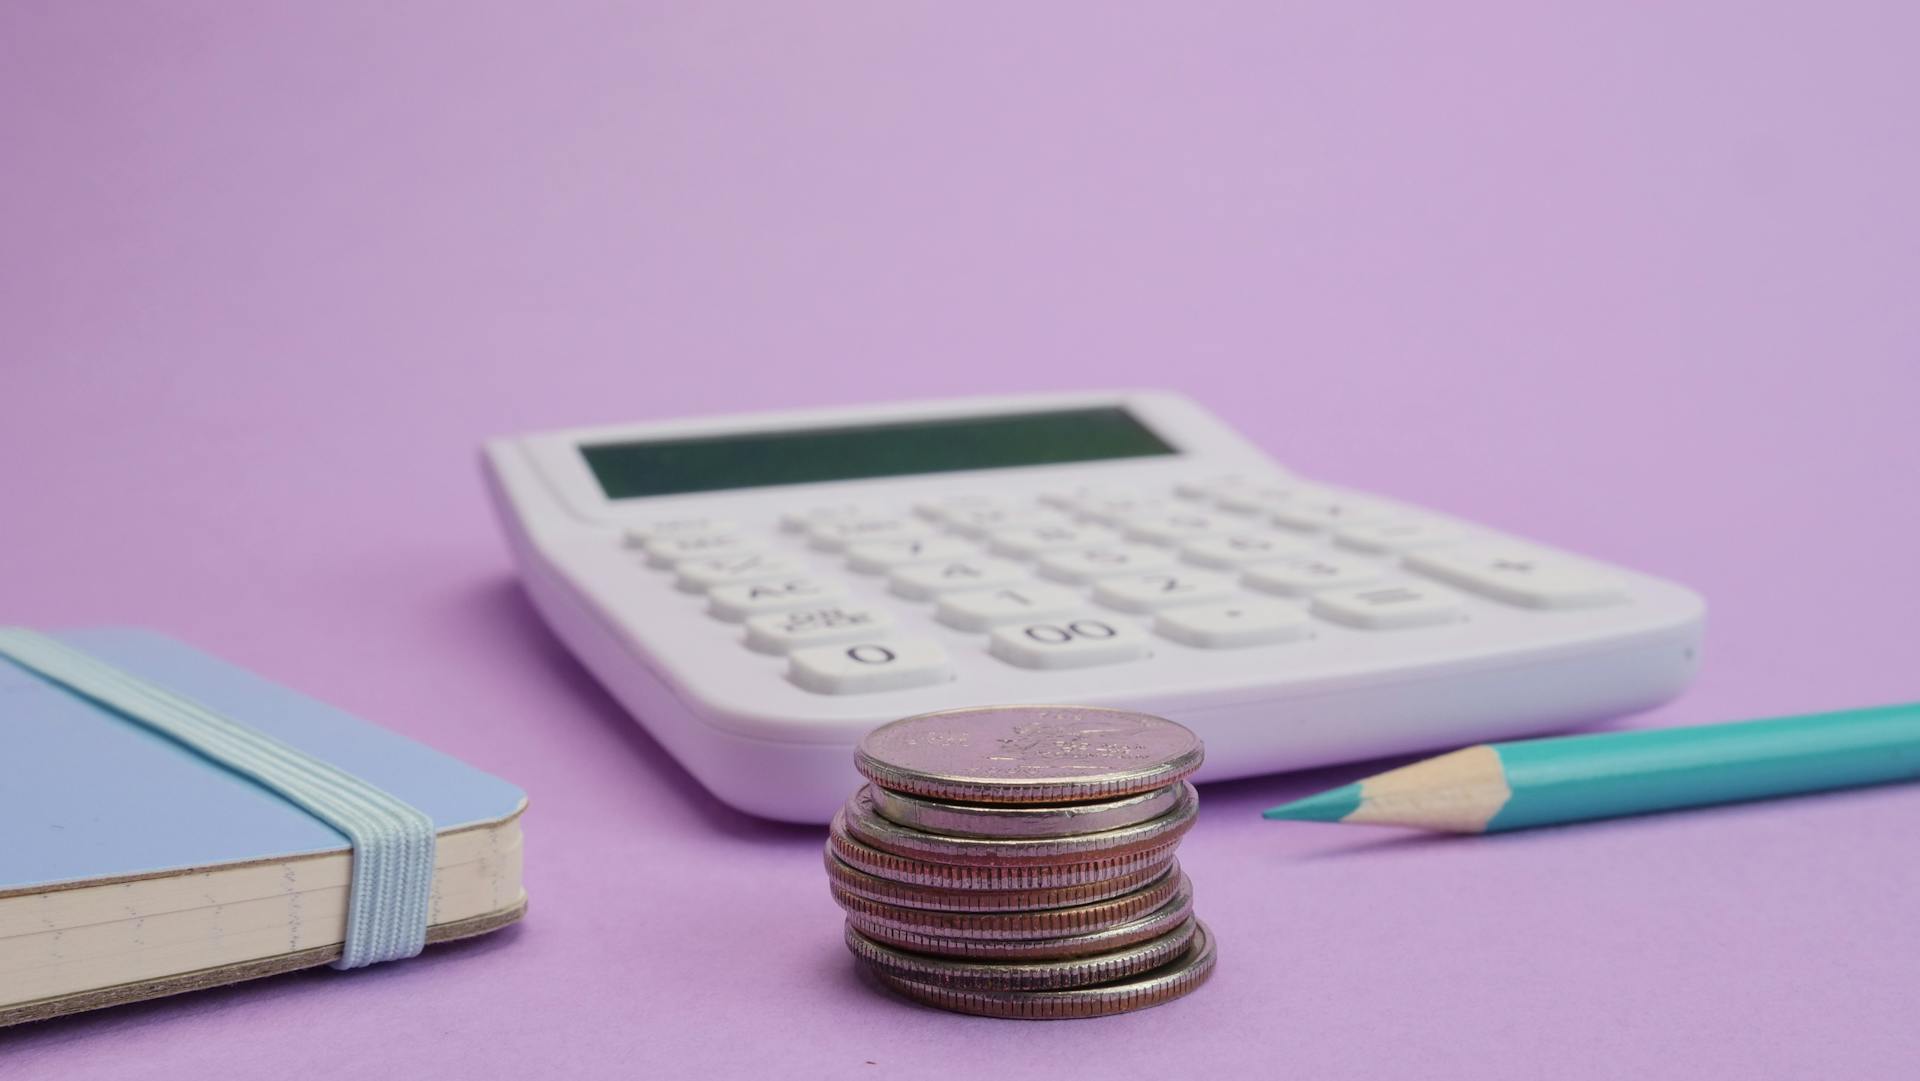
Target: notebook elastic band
{"x":390,"y":892}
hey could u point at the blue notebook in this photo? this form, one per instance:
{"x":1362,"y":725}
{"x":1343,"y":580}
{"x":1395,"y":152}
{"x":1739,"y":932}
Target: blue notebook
{"x":132,"y":867}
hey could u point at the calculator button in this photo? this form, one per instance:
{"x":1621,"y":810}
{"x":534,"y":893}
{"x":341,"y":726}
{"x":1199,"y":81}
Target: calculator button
{"x":1300,"y":575}
{"x":700,"y":575}
{"x":1235,"y":624}
{"x":878,"y":557}
{"x":743,"y":599}
{"x":639,"y":533}
{"x":1161,"y":589}
{"x":865,"y":667}
{"x":1208,"y":489}
{"x":1323,"y":511}
{"x":984,"y":609}
{"x":1114,"y":507}
{"x":1387,"y":606}
{"x":782,"y":632}
{"x":1232,"y":551}
{"x":673,"y":550}
{"x":1028,"y":541}
{"x":1518,"y":575}
{"x":835,"y":536}
{"x":984,"y":520}
{"x":1256,"y":500}
{"x":805,"y":518}
{"x":924,"y":581}
{"x":1394,"y":535}
{"x":940,"y":510}
{"x":1175,"y":526}
{"x":1082,"y":565}
{"x":1070,"y":641}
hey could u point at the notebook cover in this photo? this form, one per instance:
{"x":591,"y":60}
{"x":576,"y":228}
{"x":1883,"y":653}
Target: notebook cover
{"x":86,"y":794}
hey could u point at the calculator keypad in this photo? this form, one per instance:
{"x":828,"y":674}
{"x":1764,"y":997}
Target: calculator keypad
{"x":868,"y":666}
{"x":1114,"y":507}
{"x":673,"y":549}
{"x":924,"y":581}
{"x":1096,"y":576}
{"x":802,"y":519}
{"x":1387,"y":606}
{"x":1156,"y":590}
{"x":1302,"y":575}
{"x":1174,"y":527}
{"x":1516,"y":575}
{"x":985,"y":609}
{"x":700,"y":575}
{"x":1259,"y":499}
{"x":1214,"y":489}
{"x":1027,"y":541}
{"x":837,"y":534}
{"x":1398,"y":535}
{"x":1309,"y":513}
{"x":943,"y":510}
{"x":782,"y":632}
{"x":1235,"y":624}
{"x":1074,"y":640}
{"x":640,"y":533}
{"x":1234,"y":551}
{"x":742,"y":600}
{"x":881,"y":556}
{"x":1078,"y":566}
{"x":982,"y":521}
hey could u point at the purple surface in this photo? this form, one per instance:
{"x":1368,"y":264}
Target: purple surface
{"x":1638,"y":279}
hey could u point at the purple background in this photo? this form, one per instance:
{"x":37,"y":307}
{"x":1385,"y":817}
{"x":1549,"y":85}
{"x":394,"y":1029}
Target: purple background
{"x":1638,"y":279}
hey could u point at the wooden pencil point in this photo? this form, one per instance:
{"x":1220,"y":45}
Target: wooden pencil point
{"x":1330,"y":806}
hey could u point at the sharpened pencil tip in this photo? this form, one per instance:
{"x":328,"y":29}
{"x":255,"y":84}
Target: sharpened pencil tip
{"x":1330,"y":806}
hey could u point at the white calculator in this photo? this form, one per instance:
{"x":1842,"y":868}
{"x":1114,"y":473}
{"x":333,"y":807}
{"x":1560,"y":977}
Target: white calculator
{"x":760,"y":591}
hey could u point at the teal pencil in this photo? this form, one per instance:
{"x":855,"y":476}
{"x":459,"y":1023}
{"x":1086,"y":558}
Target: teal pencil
{"x":1539,"y":782}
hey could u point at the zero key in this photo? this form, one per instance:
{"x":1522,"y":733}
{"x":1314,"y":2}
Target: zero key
{"x":864,"y":667}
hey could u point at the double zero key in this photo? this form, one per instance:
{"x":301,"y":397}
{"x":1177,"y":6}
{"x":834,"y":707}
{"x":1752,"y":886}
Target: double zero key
{"x":1072,"y":641}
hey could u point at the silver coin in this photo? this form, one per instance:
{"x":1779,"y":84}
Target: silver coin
{"x":865,"y":823}
{"x":846,"y":878}
{"x":1181,"y":977}
{"x":1028,"y":754}
{"x":997,"y":878}
{"x":1046,"y":923}
{"x":1026,"y":975}
{"x":1115,"y":936}
{"x":1025,"y":819}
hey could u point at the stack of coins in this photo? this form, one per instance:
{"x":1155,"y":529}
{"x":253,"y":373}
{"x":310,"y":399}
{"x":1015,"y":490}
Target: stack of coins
{"x":1019,"y":861}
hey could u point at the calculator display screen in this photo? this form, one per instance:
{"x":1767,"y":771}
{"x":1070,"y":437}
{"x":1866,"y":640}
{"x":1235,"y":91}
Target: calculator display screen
{"x":804,"y":456}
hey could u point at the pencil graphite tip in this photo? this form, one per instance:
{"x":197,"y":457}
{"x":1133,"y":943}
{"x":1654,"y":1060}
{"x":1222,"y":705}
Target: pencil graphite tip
{"x":1330,"y":806}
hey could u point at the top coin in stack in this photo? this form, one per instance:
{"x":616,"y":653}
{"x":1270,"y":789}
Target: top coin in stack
{"x":1028,"y":754}
{"x":1014,"y":820}
{"x":866,"y":824}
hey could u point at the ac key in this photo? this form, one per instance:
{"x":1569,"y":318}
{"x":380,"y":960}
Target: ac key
{"x":743,"y":600}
